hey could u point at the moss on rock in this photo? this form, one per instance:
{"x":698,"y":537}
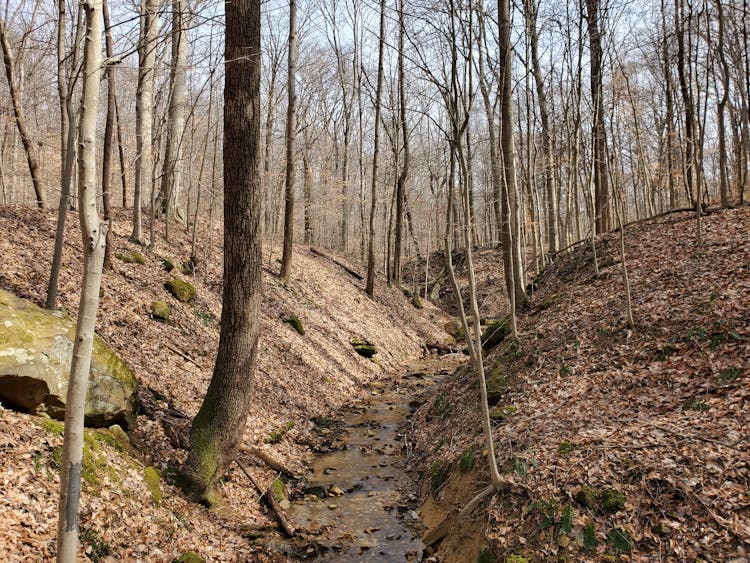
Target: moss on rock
{"x":496,"y":383}
{"x":132,"y":257}
{"x":363,"y":347}
{"x":160,"y":310}
{"x":611,"y":501}
{"x":295,"y":323}
{"x":502,"y":413}
{"x":495,"y":332}
{"x":181,"y":290}
{"x":189,"y":557}
{"x":278,"y":488}
{"x":152,"y":479}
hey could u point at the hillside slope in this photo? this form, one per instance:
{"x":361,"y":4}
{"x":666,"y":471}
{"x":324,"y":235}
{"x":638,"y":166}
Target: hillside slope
{"x":298,"y":378}
{"x":617,"y":444}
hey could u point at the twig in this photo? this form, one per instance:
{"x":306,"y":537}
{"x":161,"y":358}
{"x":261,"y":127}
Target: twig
{"x":269,"y":499}
{"x":183,"y":355}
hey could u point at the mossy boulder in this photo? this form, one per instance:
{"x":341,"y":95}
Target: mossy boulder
{"x":363,"y":347}
{"x":495,"y":332}
{"x":181,"y":290}
{"x":279,"y":490}
{"x":296,"y":324}
{"x":36,"y":350}
{"x":608,"y":501}
{"x":189,"y":557}
{"x":160,"y":310}
{"x":152,"y":479}
{"x":132,"y":257}
{"x":497,"y":383}
{"x":502,"y":413}
{"x":169,"y":264}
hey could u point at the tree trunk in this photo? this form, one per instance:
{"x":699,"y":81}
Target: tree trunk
{"x":23,"y":130}
{"x":291,"y":133}
{"x":144,"y":103}
{"x":93,"y":234}
{"x":218,"y":427}
{"x":402,"y":177}
{"x":599,"y":149}
{"x":109,"y":127}
{"x":723,"y":166}
{"x":370,"y":286}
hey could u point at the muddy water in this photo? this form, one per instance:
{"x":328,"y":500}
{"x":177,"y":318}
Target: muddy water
{"x":359,"y":502}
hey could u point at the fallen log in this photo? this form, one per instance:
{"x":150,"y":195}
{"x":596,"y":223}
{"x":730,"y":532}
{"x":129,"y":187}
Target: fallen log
{"x":270,"y":461}
{"x":270,"y":501}
{"x":351,"y":271}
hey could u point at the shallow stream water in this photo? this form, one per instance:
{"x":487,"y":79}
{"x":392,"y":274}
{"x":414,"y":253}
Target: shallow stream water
{"x":360,"y":501}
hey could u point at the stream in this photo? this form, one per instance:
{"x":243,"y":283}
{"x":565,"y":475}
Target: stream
{"x":360,"y":502}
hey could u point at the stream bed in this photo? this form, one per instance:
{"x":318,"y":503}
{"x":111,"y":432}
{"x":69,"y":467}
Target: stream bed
{"x":360,"y":501}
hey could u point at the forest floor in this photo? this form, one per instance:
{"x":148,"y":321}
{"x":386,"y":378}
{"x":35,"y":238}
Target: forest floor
{"x":300,"y":379}
{"x":615,"y":443}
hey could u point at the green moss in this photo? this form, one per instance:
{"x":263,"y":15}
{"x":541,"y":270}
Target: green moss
{"x":496,"y":382}
{"x":439,"y":471}
{"x":53,"y":426}
{"x":551,"y":300}
{"x":295,"y":323}
{"x":513,"y":558}
{"x":466,"y":463}
{"x":565,"y":447}
{"x":278,"y":489}
{"x":416,"y":301}
{"x":495,"y":332}
{"x":98,"y":548}
{"x":587,"y":497}
{"x":152,"y":479}
{"x":160,"y":310}
{"x":199,"y":478}
{"x":503,"y":412}
{"x":276,"y":435}
{"x":611,"y":501}
{"x":363,"y":347}
{"x":189,"y":557}
{"x":133,"y":257}
{"x":181,"y":290}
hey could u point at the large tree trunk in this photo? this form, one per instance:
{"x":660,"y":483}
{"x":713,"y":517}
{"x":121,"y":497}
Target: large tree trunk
{"x":23,"y":131}
{"x":291,"y":133}
{"x":219,"y":425}
{"x":93,"y":234}
{"x":144,"y":102}
{"x":601,"y":174}
{"x":169,"y":192}
{"x":404,"y":174}
{"x":109,"y":130}
{"x":370,"y":285}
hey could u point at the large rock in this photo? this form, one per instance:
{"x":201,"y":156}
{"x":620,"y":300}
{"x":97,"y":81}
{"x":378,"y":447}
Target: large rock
{"x":36,"y":349}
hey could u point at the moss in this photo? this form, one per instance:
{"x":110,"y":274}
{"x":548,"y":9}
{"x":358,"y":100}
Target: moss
{"x":611,"y":501}
{"x":495,"y":332}
{"x":466,"y":463}
{"x":496,"y":383}
{"x":439,"y":471}
{"x":199,"y":477}
{"x":485,"y":555}
{"x":278,"y":488}
{"x":363,"y":347}
{"x":168,"y":264}
{"x":53,"y":426}
{"x":416,"y":301}
{"x":160,"y":310}
{"x":296,"y":324}
{"x":152,"y":479}
{"x":565,"y":447}
{"x":587,"y":497}
{"x":513,"y":558}
{"x":551,"y":300}
{"x":98,"y":548}
{"x":115,"y":437}
{"x":501,"y":413}
{"x":275,"y":436}
{"x":189,"y":557}
{"x":133,"y":257}
{"x":181,"y":290}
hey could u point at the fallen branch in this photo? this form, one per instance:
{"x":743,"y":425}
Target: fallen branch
{"x":338,"y":262}
{"x":183,"y":356}
{"x":269,"y":460}
{"x":270,"y":501}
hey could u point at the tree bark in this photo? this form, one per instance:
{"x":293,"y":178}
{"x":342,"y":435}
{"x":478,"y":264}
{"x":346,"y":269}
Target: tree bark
{"x":370,"y":285}
{"x":93,"y":234}
{"x":404,"y":174}
{"x":291,"y":133}
{"x":23,"y":130}
{"x":144,"y":102}
{"x":218,"y":427}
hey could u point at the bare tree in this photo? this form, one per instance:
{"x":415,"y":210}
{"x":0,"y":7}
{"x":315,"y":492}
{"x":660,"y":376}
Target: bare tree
{"x":291,"y":133}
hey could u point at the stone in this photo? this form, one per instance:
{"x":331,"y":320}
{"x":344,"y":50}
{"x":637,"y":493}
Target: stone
{"x":363,"y":347}
{"x":495,"y":332}
{"x":152,"y":479}
{"x":189,"y":557}
{"x":132,"y":257}
{"x":36,"y":350}
{"x":160,"y":310}
{"x":181,"y":290}
{"x":296,"y":324}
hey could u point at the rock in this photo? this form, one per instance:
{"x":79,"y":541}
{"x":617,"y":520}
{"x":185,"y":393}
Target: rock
{"x":496,"y":383}
{"x":152,"y":479}
{"x":160,"y":310}
{"x":279,"y":490}
{"x":296,"y":324}
{"x":132,"y":257}
{"x":611,"y":501}
{"x":335,"y":491}
{"x":181,"y":290}
{"x":168,"y":264}
{"x":119,"y":435}
{"x":586,"y":496}
{"x":495,"y":332}
{"x":189,"y":557}
{"x":36,"y":349}
{"x":363,"y":347}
